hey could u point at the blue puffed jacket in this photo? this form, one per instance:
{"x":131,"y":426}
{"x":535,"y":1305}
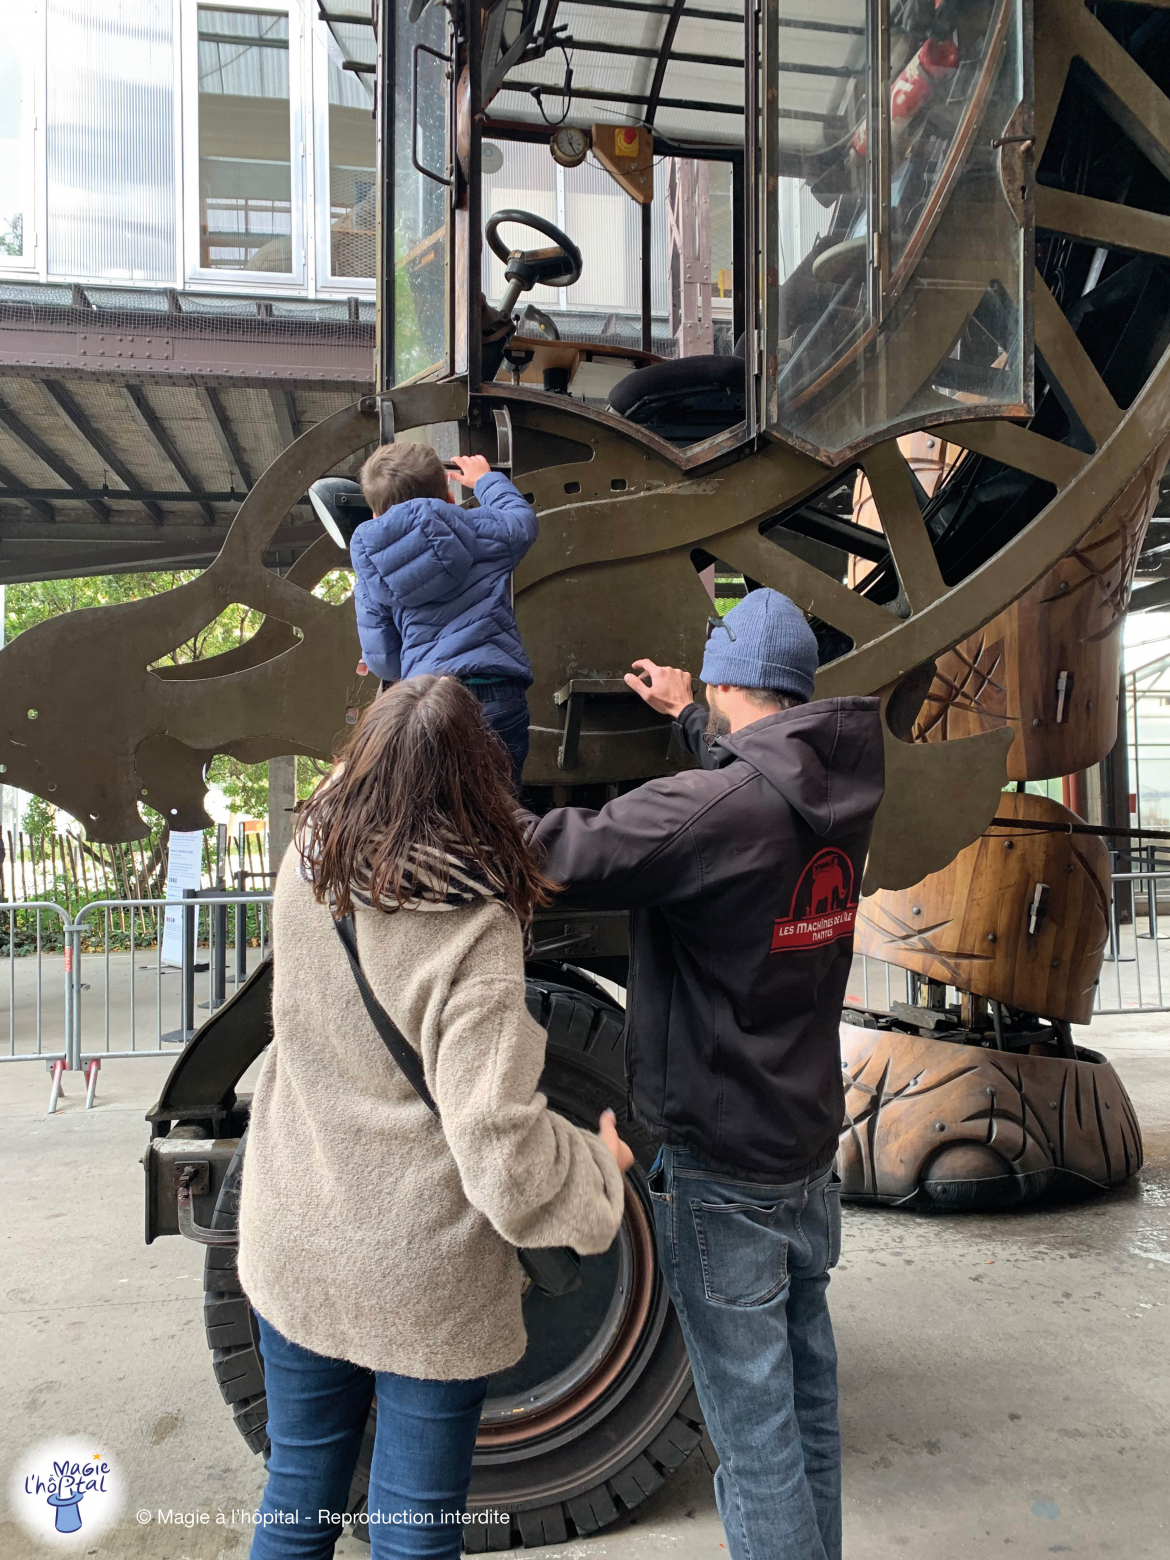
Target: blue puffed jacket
{"x":432,"y":589}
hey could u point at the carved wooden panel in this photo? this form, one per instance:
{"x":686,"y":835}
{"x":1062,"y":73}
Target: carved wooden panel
{"x":972,"y":924}
{"x":1049,"y":664}
{"x":931,"y":1121}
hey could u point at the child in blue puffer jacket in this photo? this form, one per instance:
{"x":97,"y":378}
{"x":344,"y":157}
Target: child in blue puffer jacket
{"x":433,"y":587}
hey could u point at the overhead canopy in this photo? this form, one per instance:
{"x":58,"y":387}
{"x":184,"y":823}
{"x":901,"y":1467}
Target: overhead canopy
{"x":133,"y":423}
{"x":677,"y":67}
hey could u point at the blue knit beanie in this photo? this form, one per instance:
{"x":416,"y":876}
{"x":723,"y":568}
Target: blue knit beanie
{"x":764,"y":643}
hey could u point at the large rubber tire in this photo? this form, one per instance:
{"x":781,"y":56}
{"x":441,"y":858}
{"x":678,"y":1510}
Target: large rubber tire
{"x":578,"y":1459}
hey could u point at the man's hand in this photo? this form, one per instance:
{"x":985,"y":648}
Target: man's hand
{"x":470,"y":468}
{"x":362,"y":669}
{"x":664,"y":688}
{"x":607,"y":1131}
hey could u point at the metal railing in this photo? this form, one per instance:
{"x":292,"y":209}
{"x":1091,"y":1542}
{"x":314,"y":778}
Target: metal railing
{"x":57,"y":1017}
{"x":53,"y":1007}
{"x":1132,"y":978}
{"x":59,"y":1024}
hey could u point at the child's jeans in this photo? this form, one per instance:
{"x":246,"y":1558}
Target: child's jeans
{"x":505,"y":708}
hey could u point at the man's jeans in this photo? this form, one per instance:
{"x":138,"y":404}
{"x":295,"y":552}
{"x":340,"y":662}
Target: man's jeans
{"x":317,"y":1410}
{"x":747,"y":1268}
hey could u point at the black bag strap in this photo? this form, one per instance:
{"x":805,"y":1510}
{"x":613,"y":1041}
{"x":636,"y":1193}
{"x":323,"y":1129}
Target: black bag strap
{"x":555,"y":1271}
{"x":393,"y":1038}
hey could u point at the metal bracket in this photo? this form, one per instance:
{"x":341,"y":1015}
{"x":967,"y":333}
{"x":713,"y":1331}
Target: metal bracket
{"x":573,"y":696}
{"x":503,"y":421}
{"x":568,"y":939}
{"x":385,"y":420}
{"x":429,"y":173}
{"x":193,"y":1178}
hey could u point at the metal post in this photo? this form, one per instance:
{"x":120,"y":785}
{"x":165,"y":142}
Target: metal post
{"x":68,"y":1036}
{"x":241,"y":929}
{"x":218,"y":920}
{"x":1151,"y":893}
{"x":74,"y":1060}
{"x":187,"y":1006}
{"x":644,"y":260}
{"x":55,"y":1092}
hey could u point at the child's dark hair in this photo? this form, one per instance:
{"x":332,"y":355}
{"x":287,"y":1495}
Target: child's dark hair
{"x":396,"y":472}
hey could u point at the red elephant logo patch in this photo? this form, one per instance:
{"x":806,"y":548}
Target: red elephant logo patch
{"x":823,"y":907}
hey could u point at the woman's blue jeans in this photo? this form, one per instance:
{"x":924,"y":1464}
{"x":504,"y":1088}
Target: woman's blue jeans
{"x":317,"y":1411}
{"x":747,"y":1267}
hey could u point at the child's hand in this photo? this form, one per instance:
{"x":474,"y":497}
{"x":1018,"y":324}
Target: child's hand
{"x":471,"y":468}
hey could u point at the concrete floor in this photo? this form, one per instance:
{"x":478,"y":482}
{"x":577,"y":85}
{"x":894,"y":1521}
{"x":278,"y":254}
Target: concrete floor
{"x":1003,"y":1378}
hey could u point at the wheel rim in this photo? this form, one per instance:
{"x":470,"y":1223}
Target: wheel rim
{"x":548,"y":1404}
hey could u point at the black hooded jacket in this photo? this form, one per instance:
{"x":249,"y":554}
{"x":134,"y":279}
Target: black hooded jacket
{"x":742,"y":881}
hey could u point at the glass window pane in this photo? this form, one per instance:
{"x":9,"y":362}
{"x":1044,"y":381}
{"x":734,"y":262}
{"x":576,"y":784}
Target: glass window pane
{"x":15,"y":149}
{"x":351,"y":173}
{"x":245,"y":171}
{"x":896,"y":284}
{"x":420,"y":204}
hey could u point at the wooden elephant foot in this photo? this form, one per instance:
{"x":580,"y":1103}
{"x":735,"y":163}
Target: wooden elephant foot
{"x":952,"y":1124}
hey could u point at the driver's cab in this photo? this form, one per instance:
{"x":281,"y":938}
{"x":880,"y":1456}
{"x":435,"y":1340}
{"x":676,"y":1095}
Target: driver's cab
{"x":807,"y":219}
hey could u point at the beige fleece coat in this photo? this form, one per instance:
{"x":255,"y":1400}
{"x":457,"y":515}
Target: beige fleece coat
{"x":368,"y":1231}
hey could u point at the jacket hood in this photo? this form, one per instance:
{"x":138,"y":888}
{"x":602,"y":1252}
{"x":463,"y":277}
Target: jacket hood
{"x":826,"y":759}
{"x":422,"y":550}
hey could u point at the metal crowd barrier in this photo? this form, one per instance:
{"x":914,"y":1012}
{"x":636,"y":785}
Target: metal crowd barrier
{"x":49,"y":1001}
{"x":1132,"y":979}
{"x":58,"y":999}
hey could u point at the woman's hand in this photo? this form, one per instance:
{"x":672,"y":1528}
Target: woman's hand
{"x":607,"y":1130}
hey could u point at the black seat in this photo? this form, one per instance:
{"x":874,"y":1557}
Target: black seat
{"x":684,"y":399}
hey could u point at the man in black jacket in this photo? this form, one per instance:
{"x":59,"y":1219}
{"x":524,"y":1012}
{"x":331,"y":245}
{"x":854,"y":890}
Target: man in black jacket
{"x":742,"y":879}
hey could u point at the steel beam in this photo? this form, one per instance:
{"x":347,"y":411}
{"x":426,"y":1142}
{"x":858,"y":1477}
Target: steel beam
{"x":668,"y":33}
{"x":224,"y":432}
{"x":284,"y":409}
{"x":100,"y":445}
{"x":11,"y":481}
{"x":165,"y":443}
{"x":20,"y":431}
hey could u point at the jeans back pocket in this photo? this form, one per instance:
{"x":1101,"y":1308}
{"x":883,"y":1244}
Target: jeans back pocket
{"x":743,"y":1251}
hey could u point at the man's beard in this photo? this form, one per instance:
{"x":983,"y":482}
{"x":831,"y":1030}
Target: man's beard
{"x":718,"y":724}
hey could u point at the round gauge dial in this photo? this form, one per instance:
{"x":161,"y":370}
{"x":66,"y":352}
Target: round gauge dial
{"x":569,"y":146}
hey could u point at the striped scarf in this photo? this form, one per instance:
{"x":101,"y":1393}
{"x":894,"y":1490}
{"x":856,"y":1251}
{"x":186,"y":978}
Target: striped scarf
{"x":423,"y":882}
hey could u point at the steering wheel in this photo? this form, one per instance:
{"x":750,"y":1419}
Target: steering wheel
{"x":525,"y":268}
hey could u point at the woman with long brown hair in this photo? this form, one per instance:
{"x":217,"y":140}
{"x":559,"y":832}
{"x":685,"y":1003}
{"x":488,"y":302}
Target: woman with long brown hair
{"x":378,"y":1235}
